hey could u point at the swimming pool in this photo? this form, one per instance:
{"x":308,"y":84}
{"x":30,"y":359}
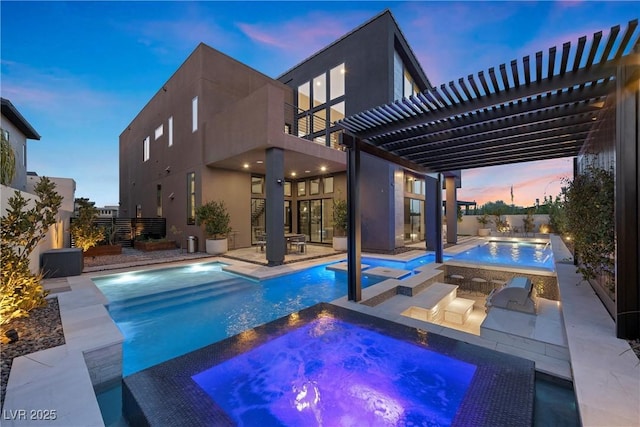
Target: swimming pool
{"x":167,"y":312}
{"x":511,"y":253}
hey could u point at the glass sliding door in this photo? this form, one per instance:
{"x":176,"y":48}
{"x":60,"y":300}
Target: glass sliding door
{"x":304,"y":218}
{"x":258,"y":219}
{"x":413,"y":220}
{"x":315,"y":220}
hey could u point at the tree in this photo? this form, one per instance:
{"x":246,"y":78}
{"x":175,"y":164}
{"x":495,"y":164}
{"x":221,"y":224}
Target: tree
{"x":23,"y":228}
{"x":215,"y":218}
{"x":83,"y":228}
{"x":340,"y":218}
{"x":590,"y":218}
{"x":8,"y":161}
{"x":528,"y":222}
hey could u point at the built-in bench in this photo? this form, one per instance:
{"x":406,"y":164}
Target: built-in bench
{"x":433,"y":301}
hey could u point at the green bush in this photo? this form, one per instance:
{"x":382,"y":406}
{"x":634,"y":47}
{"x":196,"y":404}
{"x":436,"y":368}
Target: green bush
{"x":22,"y":230}
{"x":340,"y":217}
{"x":215,"y":219}
{"x":83,"y":229}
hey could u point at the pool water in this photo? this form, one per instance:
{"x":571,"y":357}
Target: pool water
{"x":518,"y":254}
{"x":169,"y":312}
{"x":329,"y":372}
{"x":402,"y":265}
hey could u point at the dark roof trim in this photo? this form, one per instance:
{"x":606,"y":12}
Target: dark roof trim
{"x":14,"y":116}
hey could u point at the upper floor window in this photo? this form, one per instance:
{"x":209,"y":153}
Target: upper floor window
{"x":404,"y":84}
{"x":327,"y":182}
{"x":336,"y":81}
{"x":145,"y":149}
{"x":304,"y":93}
{"x":320,"y":90}
{"x":191,"y":198}
{"x":194,"y":114}
{"x":170,"y":130}
{"x":159,"y":131}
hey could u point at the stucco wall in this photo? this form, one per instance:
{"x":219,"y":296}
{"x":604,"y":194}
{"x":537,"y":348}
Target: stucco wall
{"x":470,"y":225}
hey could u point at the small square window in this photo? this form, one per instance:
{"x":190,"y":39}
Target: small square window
{"x":302,"y":188}
{"x":159,"y":131}
{"x":328,"y":185}
{"x":314,"y":186}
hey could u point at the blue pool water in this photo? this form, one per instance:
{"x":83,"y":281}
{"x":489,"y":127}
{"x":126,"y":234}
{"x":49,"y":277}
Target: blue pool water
{"x":402,"y":265}
{"x":330,"y":372}
{"x":169,"y":312}
{"x":519,"y":254}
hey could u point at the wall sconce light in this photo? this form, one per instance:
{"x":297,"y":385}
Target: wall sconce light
{"x":279,"y":181}
{"x":172,"y":196}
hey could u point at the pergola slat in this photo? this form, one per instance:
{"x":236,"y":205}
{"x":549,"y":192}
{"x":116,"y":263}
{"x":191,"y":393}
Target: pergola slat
{"x":552,"y":62}
{"x":503,"y":74}
{"x":610,"y":41}
{"x":576,"y":61}
{"x":565,"y":57}
{"x":594,"y":48}
{"x":514,"y":73}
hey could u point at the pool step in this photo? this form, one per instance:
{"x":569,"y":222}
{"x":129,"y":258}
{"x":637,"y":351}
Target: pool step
{"x":175,"y":297}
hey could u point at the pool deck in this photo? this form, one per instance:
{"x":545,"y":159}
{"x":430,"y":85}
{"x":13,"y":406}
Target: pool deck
{"x":604,"y":370}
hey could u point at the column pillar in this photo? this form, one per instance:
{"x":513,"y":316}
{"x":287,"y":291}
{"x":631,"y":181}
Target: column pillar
{"x":452,"y":210}
{"x":627,"y":201}
{"x":354,"y":243}
{"x":433,"y":215}
{"x":274,"y":192}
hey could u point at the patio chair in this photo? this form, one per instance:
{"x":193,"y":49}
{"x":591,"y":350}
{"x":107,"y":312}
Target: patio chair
{"x":299,"y":242}
{"x":261,"y":242}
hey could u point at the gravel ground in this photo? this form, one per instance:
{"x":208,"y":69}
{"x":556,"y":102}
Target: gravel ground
{"x":41,"y":330}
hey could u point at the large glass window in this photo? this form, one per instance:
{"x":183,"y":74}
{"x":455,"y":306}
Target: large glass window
{"x":320,"y":90}
{"x":336,"y":80}
{"x":403,"y":83}
{"x":319,"y":120}
{"x":287,"y":188}
{"x":304,"y":94}
{"x":301,"y":188}
{"x":336,"y":112}
{"x":413,"y":185}
{"x":413,"y":220}
{"x":258,"y":220}
{"x":191,"y":198}
{"x":315,"y":220}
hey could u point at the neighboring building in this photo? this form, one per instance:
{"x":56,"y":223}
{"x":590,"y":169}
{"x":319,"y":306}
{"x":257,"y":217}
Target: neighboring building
{"x":17,"y":131}
{"x":218,"y":129}
{"x":108,"y":211}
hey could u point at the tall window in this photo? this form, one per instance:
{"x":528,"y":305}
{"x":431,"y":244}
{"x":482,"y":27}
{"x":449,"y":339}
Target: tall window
{"x":320,"y":104}
{"x":191,"y":198}
{"x":328,"y":184}
{"x":145,"y":149}
{"x":336,"y":81}
{"x":170,"y":130}
{"x":403,"y":83}
{"x":194,"y":114}
{"x":320,"y":90}
{"x":159,"y":201}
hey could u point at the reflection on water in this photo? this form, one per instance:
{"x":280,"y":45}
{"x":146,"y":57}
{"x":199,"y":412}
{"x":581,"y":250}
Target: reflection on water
{"x":331,"y":373}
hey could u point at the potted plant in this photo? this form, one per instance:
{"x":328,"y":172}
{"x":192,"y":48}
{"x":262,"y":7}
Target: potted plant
{"x":339,"y":224}
{"x":483,"y":220}
{"x":215,"y":219}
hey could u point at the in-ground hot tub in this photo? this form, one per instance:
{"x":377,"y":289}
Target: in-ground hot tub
{"x":327,"y":365}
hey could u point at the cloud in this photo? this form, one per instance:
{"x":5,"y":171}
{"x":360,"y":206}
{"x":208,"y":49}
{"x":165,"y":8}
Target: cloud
{"x":297,"y":37}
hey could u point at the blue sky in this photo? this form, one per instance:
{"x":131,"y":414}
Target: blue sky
{"x":80,"y":71}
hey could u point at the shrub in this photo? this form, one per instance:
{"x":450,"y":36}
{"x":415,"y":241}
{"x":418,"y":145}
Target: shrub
{"x":340,"y":217}
{"x":22,"y":230}
{"x":83,"y":229}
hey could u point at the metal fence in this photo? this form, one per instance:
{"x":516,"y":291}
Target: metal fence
{"x":125,"y":230}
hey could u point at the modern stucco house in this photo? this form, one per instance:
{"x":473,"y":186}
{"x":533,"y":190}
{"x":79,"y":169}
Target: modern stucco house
{"x":220,"y":130}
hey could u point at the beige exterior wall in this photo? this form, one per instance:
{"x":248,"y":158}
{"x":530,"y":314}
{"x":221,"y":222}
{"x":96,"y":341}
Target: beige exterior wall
{"x":241,"y":113}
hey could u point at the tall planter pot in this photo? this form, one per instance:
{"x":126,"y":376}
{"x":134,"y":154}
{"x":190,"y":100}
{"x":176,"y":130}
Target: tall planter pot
{"x":216,"y":246}
{"x":340,"y":244}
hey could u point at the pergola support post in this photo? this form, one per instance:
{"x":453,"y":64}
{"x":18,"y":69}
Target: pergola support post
{"x":433,"y":217}
{"x":627,"y":202}
{"x":354,"y":242}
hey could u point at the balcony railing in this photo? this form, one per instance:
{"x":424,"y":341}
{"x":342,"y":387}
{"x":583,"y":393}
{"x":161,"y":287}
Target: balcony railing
{"x":309,"y":125}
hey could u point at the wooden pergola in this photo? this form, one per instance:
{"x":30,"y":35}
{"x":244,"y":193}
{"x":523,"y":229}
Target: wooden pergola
{"x":556,"y":104}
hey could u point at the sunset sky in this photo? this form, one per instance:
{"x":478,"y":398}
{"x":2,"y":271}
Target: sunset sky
{"x":80,"y":71}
